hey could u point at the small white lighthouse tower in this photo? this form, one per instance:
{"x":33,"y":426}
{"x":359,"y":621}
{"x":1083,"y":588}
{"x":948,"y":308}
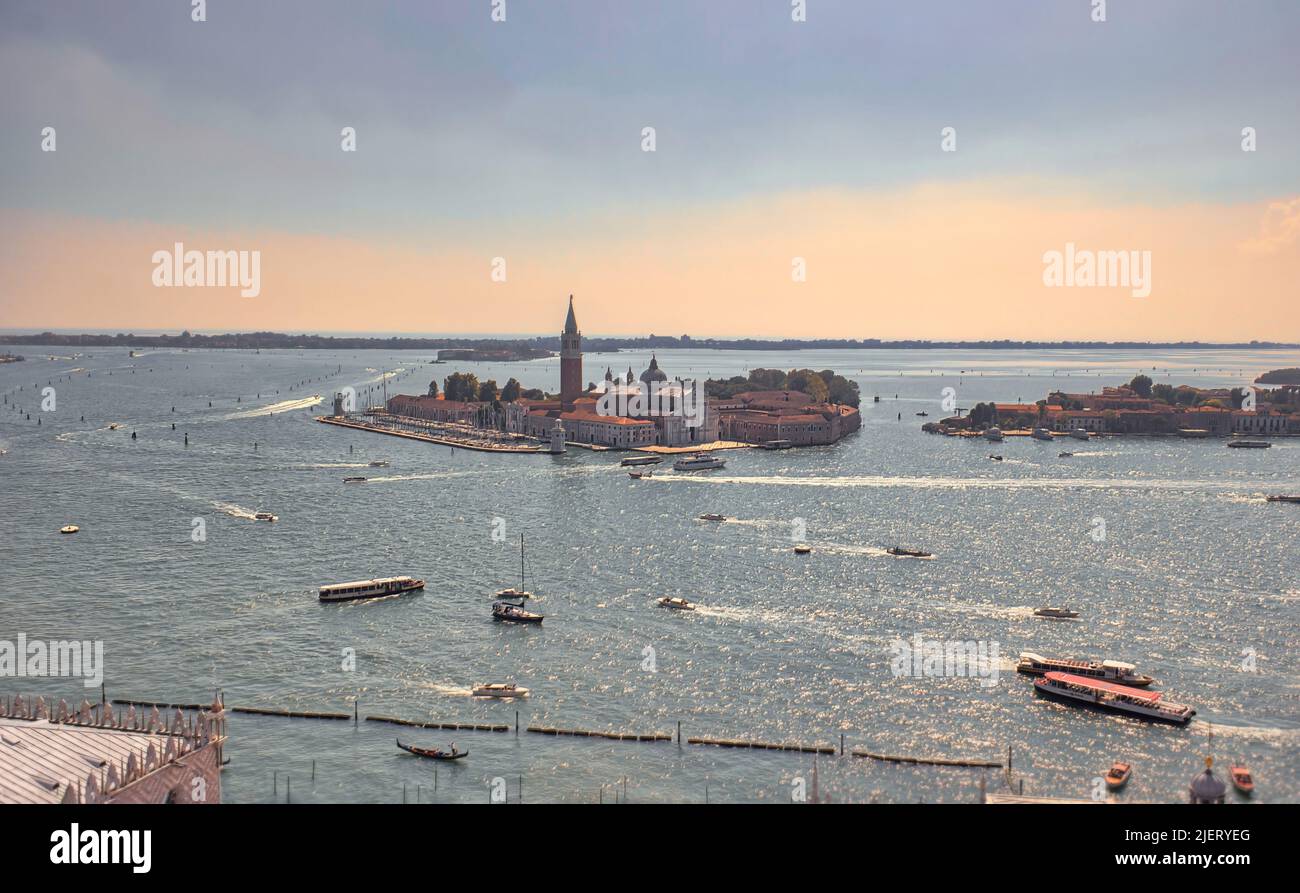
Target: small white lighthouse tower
{"x":557,"y":437}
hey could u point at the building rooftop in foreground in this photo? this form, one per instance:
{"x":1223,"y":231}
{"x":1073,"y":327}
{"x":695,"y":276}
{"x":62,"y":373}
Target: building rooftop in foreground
{"x":93,"y":755}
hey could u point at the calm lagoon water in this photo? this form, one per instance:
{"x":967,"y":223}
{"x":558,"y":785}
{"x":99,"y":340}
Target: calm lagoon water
{"x":1196,"y":580}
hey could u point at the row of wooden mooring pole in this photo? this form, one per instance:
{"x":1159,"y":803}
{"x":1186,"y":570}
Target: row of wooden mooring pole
{"x":824,"y":749}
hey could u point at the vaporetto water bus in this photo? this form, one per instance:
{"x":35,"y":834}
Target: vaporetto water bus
{"x":1116,"y":698}
{"x":1106,"y":670}
{"x":358,"y":589}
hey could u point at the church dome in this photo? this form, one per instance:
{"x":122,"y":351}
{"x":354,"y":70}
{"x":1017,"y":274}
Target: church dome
{"x":654,"y":373}
{"x":1206,"y":788}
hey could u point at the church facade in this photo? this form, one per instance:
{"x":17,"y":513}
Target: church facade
{"x":586,"y":418}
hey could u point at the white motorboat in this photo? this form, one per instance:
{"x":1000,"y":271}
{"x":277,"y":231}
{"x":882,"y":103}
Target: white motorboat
{"x":378,"y":588}
{"x":1041,"y":434}
{"x":71,"y":528}
{"x":1080,"y":434}
{"x":698,"y":462}
{"x":500,"y":690}
{"x":993,"y":434}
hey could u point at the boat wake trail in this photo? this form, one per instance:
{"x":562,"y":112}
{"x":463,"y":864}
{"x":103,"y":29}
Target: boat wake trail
{"x":935,"y":483}
{"x":235,"y":511}
{"x":282,"y":406}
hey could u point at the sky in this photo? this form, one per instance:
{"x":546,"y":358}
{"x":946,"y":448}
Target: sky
{"x":798,"y":184}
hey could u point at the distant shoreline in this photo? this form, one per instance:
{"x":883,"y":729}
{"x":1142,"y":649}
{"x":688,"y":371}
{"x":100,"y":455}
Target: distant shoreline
{"x":528,"y":347}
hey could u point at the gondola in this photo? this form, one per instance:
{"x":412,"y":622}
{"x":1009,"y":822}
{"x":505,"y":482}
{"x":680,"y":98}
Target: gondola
{"x":432,"y":753}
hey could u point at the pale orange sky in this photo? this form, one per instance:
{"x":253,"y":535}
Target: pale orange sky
{"x":935,"y":261}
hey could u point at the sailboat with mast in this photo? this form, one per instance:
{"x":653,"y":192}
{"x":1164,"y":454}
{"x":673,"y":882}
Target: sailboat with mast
{"x":509,"y":605}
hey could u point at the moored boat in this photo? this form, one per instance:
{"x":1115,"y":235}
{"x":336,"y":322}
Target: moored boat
{"x":1080,"y":434}
{"x":1041,"y":434}
{"x":698,"y":462}
{"x":1033,"y":664}
{"x":993,"y":434}
{"x":678,"y":604}
{"x":378,"y":588}
{"x":1250,"y":444}
{"x":1118,"y":774}
{"x":1059,"y":613}
{"x":515,"y":613}
{"x":641,"y":460}
{"x":499,"y":690}
{"x":1116,"y":698}
{"x":433,"y":753}
{"x":1241,"y":779}
{"x":908,"y":553}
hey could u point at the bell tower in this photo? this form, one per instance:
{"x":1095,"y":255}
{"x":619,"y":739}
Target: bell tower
{"x":570,"y":360}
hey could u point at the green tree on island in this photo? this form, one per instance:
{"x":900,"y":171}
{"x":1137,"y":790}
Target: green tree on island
{"x":1142,"y":385}
{"x":433,"y":388}
{"x":510,"y":393}
{"x":461,"y":387}
{"x":487,"y":391}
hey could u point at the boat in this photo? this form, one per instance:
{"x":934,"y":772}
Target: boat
{"x":995,"y":458}
{"x":71,"y":528}
{"x":499,"y":690}
{"x":1041,"y":434}
{"x":381,"y":587}
{"x":776,"y":444}
{"x":637,"y":475}
{"x":802,"y":550}
{"x":1064,"y":455}
{"x":1080,"y":434}
{"x":512,"y":612}
{"x":642,"y":460}
{"x":1060,"y":613}
{"x":1241,"y":779}
{"x":908,"y":553}
{"x":379,"y":463}
{"x":1116,"y":698}
{"x":698,"y":462}
{"x":433,"y":753}
{"x":515,"y":613}
{"x":1250,"y":444}
{"x":1118,"y":775}
{"x":1279,"y":498}
{"x":993,"y":434}
{"x":265,"y":516}
{"x":923,"y":414}
{"x":1033,"y":664}
{"x":354,"y":480}
{"x":678,"y":604}
{"x":712,"y":517}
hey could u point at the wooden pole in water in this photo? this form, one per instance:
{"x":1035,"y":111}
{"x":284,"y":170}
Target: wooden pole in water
{"x":403,"y":792}
{"x":841,"y":744}
{"x":521,"y":789}
{"x":274,"y":782}
{"x":516,"y":723}
{"x":313,"y":770}
{"x":354,"y":710}
{"x":679,"y":733}
{"x":288,"y":790}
